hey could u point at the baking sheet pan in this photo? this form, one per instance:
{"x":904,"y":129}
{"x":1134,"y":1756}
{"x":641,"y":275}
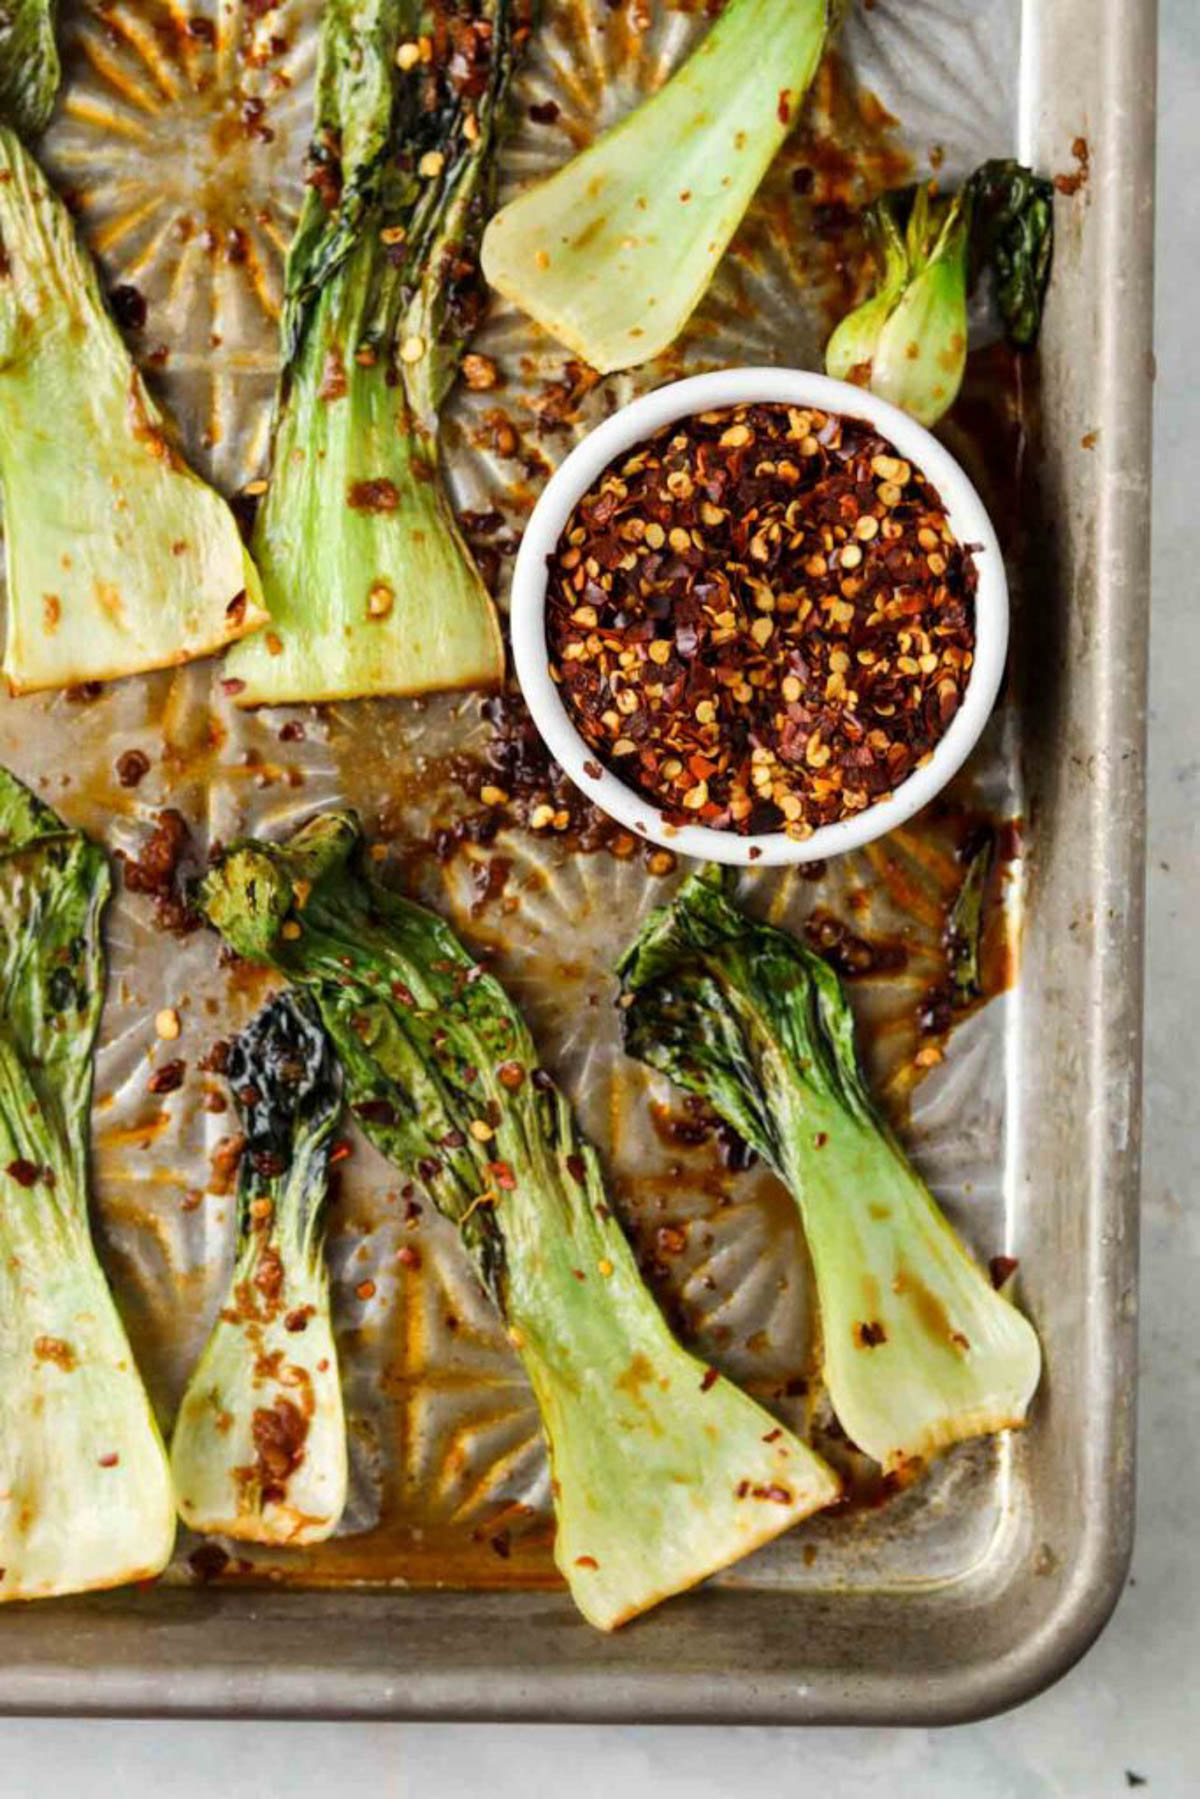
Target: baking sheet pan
{"x":437,"y":1598}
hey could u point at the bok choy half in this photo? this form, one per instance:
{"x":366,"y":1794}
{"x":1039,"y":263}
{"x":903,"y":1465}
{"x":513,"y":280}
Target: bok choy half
{"x":663,"y":1472}
{"x":919,"y":1350}
{"x":85,"y":1492}
{"x":120,"y":558}
{"x":613,"y":253}
{"x":259,"y":1450}
{"x":908,"y":341}
{"x":369,"y":583}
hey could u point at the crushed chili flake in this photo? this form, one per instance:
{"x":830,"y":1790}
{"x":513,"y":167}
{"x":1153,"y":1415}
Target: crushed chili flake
{"x":132,"y":765}
{"x":1001,"y":1269}
{"x":162,"y":870}
{"x":168,"y":1078}
{"x":761,"y":619}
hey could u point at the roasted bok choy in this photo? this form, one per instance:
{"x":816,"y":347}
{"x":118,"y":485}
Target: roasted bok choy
{"x":259,"y":1450}
{"x":85,"y":1492}
{"x":908,"y":341}
{"x":919,"y":1350}
{"x":613,"y":253}
{"x":370,"y":586}
{"x":119,"y":557}
{"x":663,"y":1471}
{"x":29,"y":66}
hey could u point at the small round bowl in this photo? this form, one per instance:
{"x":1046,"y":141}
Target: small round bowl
{"x":619,"y":435}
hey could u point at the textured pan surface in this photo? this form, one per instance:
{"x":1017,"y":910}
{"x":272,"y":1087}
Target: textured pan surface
{"x":983,"y":1579}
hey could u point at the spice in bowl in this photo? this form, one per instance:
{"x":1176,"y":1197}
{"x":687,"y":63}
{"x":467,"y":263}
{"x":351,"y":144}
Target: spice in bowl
{"x":761,"y":620}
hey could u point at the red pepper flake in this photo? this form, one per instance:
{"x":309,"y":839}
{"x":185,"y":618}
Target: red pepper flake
{"x":511,"y":1075}
{"x":586,"y":1561}
{"x":1071,"y":184}
{"x":869,"y":1335}
{"x":408,"y":1256}
{"x":577,"y":1169}
{"x":777,"y":1494}
{"x":670,"y":1240}
{"x":373,"y":496}
{"x":773,"y":1436}
{"x":132,"y":766}
{"x":161,"y":871}
{"x":365,"y":1289}
{"x":820,"y":1139}
{"x":1002,"y":1269}
{"x":503,"y":1176}
{"x":761,"y":619}
{"x":297,"y":1319}
{"x":208,"y":1561}
{"x":215,"y":1060}
{"x":544,"y":112}
{"x":743,"y":1487}
{"x":25,"y":1173}
{"x":710,"y":1379}
{"x":784,"y":107}
{"x":168,"y":1078}
{"x":340,"y":1152}
{"x":376,"y":1111}
{"x":110,"y":1460}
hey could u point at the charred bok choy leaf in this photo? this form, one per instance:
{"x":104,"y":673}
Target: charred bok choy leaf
{"x":259,"y":1450}
{"x":370,"y":586}
{"x":663,"y":1472}
{"x":613,"y":253}
{"x":29,"y":67}
{"x":85,"y":1493}
{"x":908,"y":341}
{"x":119,"y":557}
{"x":919,"y":1351}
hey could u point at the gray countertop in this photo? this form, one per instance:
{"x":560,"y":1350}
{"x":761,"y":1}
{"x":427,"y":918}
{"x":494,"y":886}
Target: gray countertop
{"x":1127,"y":1713}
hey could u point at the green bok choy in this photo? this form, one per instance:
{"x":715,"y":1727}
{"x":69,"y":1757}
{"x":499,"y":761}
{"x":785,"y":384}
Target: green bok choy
{"x":85,"y":1492}
{"x":908,"y":341}
{"x":919,"y":1350}
{"x":662,"y":1471}
{"x":259,"y":1450}
{"x":370,"y":586}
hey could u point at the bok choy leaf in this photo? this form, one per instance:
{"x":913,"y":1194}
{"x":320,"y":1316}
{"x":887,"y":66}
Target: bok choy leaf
{"x":919,"y":1350}
{"x":29,"y":66}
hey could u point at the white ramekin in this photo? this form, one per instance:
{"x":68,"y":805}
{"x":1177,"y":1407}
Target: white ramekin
{"x":619,"y":435}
